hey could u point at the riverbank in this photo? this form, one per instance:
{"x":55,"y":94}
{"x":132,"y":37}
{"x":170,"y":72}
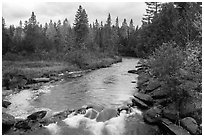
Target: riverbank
{"x":96,"y":119}
{"x":150,"y":108}
{"x":22,"y":76}
{"x":18,"y":75}
{"x":161,"y":110}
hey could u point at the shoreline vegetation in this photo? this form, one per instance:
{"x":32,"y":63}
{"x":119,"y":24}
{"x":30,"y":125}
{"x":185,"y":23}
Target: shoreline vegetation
{"x":18,"y":75}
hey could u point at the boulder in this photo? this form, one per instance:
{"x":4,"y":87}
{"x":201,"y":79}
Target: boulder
{"x":37,"y":115}
{"x":170,"y":112}
{"x":153,"y":115}
{"x":91,"y":113}
{"x":22,"y":124}
{"x":190,"y":124}
{"x":191,"y":105}
{"x":152,"y":85}
{"x":132,"y":71}
{"x":7,"y":121}
{"x":142,"y":78}
{"x":163,"y":101}
{"x":106,"y":114}
{"x":144,"y":97}
{"x":141,"y":69}
{"x":171,"y":128}
{"x":159,"y":93}
{"x":5,"y":104}
{"x":139,"y":103}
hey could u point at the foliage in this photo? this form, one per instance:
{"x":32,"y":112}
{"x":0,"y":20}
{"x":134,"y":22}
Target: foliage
{"x":178,"y":69}
{"x":166,"y":61}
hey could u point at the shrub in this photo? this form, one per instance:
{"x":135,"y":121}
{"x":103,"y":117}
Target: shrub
{"x":179,"y":70}
{"x":166,"y":61}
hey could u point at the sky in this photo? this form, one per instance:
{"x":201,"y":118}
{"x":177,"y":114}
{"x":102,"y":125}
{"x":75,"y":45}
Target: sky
{"x":14,"y":11}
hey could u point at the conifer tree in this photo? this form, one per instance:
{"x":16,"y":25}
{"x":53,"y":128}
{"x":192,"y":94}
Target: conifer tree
{"x":152,"y":9}
{"x":81,"y":26}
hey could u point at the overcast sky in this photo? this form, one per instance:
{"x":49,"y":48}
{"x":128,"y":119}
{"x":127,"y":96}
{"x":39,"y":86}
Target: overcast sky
{"x":15,"y":11}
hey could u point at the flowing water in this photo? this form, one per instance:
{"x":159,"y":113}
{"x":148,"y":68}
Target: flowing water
{"x":107,"y":87}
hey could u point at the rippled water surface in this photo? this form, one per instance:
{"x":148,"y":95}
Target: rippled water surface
{"x":108,"y":87}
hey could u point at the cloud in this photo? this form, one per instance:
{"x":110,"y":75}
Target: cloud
{"x":46,"y":11}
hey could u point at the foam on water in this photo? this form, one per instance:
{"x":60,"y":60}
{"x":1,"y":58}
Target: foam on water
{"x":113,"y":126}
{"x":53,"y":128}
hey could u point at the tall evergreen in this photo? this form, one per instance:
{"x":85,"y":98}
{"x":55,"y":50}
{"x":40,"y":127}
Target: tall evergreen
{"x":81,"y":26}
{"x":152,"y":9}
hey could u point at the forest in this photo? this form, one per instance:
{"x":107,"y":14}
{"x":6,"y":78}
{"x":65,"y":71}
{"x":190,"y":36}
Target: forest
{"x":178,"y":22}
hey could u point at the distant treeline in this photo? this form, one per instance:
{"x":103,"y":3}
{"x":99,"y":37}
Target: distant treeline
{"x":162,"y":23}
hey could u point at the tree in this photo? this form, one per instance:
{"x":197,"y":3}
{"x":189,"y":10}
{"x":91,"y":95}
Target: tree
{"x":108,"y":22}
{"x":117,"y":23}
{"x":131,"y":27}
{"x":33,"y":36}
{"x":152,"y":9}
{"x":81,"y":26}
{"x":5,"y":38}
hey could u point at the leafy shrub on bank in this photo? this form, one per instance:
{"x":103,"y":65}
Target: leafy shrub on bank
{"x":179,"y":70}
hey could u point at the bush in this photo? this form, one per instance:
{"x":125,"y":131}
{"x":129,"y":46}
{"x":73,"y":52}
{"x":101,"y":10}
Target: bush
{"x":166,"y":61}
{"x":179,"y":70}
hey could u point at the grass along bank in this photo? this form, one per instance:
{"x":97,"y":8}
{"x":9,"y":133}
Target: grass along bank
{"x":16,"y":74}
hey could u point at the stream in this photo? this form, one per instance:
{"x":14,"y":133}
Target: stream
{"x":106,"y":87}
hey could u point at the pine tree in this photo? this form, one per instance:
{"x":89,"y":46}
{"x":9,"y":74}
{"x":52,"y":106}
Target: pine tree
{"x":124,"y":29}
{"x":32,"y":20}
{"x":5,"y":38}
{"x":96,"y":24}
{"x":108,"y":22}
{"x":81,"y":26}
{"x":117,"y":23}
{"x":131,"y":27}
{"x":152,"y":9}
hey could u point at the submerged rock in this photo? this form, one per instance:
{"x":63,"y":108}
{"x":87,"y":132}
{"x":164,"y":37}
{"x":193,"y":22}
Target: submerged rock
{"x":5,"y":104}
{"x":106,"y":114}
{"x":190,"y":124}
{"x":91,"y":113}
{"x":132,"y":71}
{"x":37,"y":115}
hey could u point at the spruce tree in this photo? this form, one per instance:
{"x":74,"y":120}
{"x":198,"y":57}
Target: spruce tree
{"x":152,"y":9}
{"x":81,"y":26}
